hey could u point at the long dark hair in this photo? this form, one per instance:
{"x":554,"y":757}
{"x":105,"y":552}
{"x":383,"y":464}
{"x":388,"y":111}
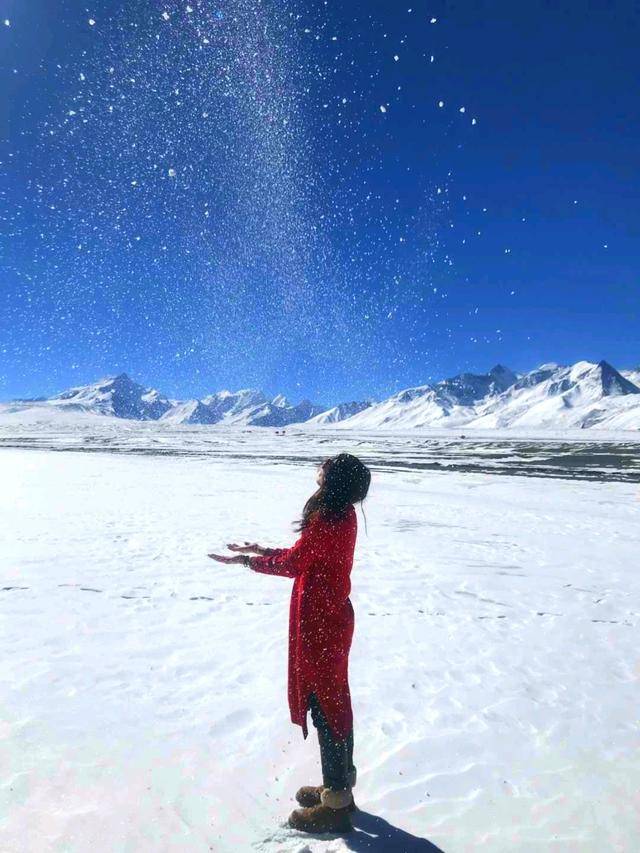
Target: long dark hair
{"x":346,"y":482}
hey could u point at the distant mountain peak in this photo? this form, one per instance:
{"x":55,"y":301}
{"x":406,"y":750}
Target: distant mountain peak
{"x":339,"y":413}
{"x":501,"y":370}
{"x":117,"y":380}
{"x":118,"y":396}
{"x":614,"y":382}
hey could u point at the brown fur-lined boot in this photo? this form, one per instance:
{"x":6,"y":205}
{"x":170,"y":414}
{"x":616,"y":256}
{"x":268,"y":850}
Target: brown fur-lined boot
{"x":309,"y":795}
{"x":331,"y":814}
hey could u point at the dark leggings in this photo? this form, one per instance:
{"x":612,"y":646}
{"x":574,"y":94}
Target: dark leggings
{"x":336,"y":756}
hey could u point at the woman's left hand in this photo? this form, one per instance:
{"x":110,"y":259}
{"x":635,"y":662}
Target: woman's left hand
{"x":247,"y":548}
{"x":221,"y":558}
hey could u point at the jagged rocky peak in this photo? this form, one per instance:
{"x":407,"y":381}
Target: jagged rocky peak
{"x":613,"y":382}
{"x":250,"y":394}
{"x":587,"y":383}
{"x":307,"y":409}
{"x":340,"y":412}
{"x":409,"y":394}
{"x":192,"y":412}
{"x":242,"y":394}
{"x":539,"y":375}
{"x":633,"y":375}
{"x":117,"y":395}
{"x":467,"y":388}
{"x":234,"y":401}
{"x":280,"y":401}
{"x":503,"y":375}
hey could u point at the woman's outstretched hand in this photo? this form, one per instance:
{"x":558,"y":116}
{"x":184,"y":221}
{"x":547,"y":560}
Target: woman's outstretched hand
{"x":247,"y":548}
{"x":222,"y":558}
{"x":242,"y":551}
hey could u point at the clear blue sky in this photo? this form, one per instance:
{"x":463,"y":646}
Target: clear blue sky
{"x":233,"y":194}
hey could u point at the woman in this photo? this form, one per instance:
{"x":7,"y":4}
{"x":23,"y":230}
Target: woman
{"x":320,"y":631}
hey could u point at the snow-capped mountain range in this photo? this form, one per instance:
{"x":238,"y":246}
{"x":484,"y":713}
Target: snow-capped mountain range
{"x":552,"y":396}
{"x":121,"y":397}
{"x":583,"y":395}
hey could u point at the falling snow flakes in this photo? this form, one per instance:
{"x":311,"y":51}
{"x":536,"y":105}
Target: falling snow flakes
{"x":92,"y":22}
{"x":396,"y":58}
{"x":433,"y":21}
{"x":7,"y":22}
{"x":441,"y":104}
{"x":172,"y":173}
{"x":462,"y":110}
{"x":165,"y":16}
{"x":474,"y":121}
{"x":383,"y":109}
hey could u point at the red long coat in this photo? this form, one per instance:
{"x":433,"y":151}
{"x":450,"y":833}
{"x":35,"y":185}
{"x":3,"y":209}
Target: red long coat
{"x":321,"y":618}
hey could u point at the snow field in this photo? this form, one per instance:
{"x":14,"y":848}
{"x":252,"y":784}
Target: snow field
{"x":494,"y":670}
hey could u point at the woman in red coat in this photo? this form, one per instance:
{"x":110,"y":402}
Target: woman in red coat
{"x":320,"y":631}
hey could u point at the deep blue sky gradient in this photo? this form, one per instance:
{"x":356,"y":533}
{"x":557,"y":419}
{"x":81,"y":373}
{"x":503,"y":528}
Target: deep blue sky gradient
{"x":283,"y":232}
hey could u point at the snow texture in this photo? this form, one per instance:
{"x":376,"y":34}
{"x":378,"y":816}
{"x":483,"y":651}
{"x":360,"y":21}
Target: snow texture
{"x":494,"y":670}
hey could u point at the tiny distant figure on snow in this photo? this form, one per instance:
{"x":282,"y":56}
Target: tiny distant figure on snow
{"x":321,"y":623}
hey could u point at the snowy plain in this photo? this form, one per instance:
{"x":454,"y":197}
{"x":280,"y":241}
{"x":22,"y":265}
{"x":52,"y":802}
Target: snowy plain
{"x":494,"y":671}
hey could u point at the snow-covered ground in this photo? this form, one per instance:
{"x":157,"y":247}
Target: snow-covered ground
{"x":587,"y":454}
{"x":494,"y":672}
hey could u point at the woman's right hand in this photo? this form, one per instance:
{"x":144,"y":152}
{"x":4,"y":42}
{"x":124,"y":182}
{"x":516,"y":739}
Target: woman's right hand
{"x":247,"y":548}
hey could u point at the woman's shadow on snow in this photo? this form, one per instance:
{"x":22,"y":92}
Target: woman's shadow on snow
{"x":376,"y":835}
